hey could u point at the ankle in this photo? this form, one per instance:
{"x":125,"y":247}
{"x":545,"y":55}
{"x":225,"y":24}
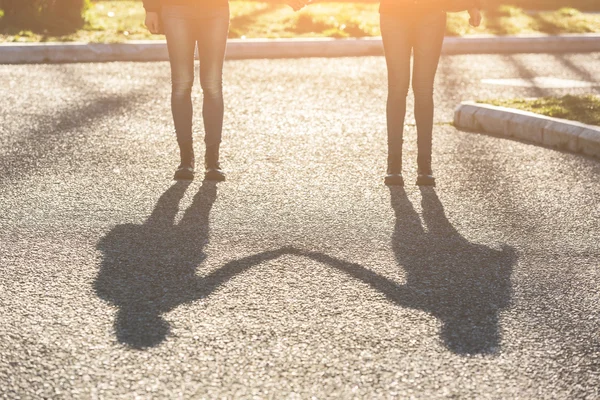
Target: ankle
{"x":188,"y":161}
{"x":424,"y":168}
{"x":394,"y":164}
{"x":211,"y":157}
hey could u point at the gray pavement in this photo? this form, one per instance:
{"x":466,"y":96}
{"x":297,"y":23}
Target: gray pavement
{"x":302,"y":276}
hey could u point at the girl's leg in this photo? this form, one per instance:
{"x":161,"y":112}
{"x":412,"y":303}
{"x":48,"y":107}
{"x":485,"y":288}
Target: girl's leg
{"x":211,"y":34}
{"x":397,"y":41}
{"x":429,"y":37}
{"x":179,"y":31}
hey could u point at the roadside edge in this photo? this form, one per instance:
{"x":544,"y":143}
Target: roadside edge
{"x":156,"y":50}
{"x":534,"y":128}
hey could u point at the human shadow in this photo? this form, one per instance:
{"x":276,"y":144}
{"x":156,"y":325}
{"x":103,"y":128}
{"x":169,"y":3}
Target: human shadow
{"x":147,"y":270}
{"x":463,"y":284}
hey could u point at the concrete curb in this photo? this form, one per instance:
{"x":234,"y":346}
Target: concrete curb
{"x":550,"y":132}
{"x":150,"y":50}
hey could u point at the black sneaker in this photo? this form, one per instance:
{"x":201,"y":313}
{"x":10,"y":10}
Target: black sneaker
{"x":425,"y":178}
{"x":394,"y":171}
{"x":211,"y":162}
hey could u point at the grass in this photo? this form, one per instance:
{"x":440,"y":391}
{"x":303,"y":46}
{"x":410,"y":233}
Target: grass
{"x":252,"y":20}
{"x":508,"y":20}
{"x":584,"y":109}
{"x":584,"y":5}
{"x":121,"y":20}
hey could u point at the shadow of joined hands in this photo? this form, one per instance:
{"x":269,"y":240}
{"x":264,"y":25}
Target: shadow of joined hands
{"x":147,"y":270}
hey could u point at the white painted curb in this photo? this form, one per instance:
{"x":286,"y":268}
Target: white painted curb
{"x":551,"y":132}
{"x":568,"y":43}
{"x":155,"y":50}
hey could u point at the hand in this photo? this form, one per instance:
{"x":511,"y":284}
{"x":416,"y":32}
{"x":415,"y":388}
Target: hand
{"x":476,"y":17}
{"x":153,"y":22}
{"x":297,"y":5}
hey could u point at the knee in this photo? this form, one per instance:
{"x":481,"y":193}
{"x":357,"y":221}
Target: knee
{"x":182,"y":88}
{"x":397,"y":90}
{"x":212,"y":88}
{"x":423,"y":91}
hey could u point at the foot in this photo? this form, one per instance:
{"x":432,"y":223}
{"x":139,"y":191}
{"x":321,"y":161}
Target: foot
{"x":214,"y":174}
{"x":425,"y":178}
{"x":394,"y":171}
{"x":185,"y":171}
{"x":394,"y":180}
{"x":211,"y":162}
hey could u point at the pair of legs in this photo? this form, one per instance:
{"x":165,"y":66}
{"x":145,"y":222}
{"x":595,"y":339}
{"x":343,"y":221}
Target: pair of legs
{"x":422,"y":34}
{"x":188,"y":26}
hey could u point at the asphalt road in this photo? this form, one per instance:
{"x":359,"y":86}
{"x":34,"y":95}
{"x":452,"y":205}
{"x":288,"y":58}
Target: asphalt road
{"x":303,"y":276}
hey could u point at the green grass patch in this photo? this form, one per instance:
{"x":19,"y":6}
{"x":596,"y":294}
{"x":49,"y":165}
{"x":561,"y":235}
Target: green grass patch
{"x":254,"y":20}
{"x":585,"y":109}
{"x":584,"y":5}
{"x":121,"y":20}
{"x":510,"y":20}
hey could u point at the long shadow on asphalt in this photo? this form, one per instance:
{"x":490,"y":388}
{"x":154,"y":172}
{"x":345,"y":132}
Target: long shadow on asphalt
{"x":465,"y":285}
{"x":67,"y":129}
{"x":148,"y":270}
{"x":59,"y":138}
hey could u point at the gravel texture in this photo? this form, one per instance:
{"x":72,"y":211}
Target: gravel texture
{"x":303,"y":276}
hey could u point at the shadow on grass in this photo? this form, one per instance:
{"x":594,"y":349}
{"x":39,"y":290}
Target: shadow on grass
{"x":509,"y":20}
{"x":240,"y":24}
{"x":149,"y":269}
{"x":46,"y":27}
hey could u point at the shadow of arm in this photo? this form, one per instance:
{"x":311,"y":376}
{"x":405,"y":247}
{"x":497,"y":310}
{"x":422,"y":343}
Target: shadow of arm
{"x":399,"y":294}
{"x":213,"y":281}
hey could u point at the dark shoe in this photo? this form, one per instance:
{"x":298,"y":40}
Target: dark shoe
{"x":394,"y":171}
{"x":214,"y":174}
{"x":185,"y":171}
{"x":211,"y":162}
{"x":425,"y":178}
{"x":394,"y":180}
